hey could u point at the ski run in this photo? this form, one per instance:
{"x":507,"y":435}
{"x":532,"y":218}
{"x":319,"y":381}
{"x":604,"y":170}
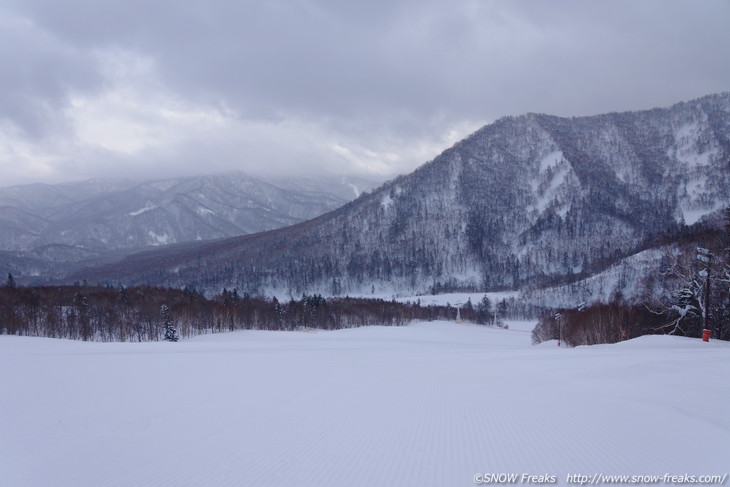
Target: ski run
{"x":430,"y":404}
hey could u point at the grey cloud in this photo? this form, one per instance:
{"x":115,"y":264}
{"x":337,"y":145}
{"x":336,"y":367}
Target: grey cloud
{"x":37,"y":75}
{"x":350,"y":58}
{"x":380,"y":73}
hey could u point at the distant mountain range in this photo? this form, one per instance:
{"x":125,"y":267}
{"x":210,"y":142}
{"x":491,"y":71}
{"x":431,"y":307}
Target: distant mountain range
{"x":526,"y":201}
{"x":52,"y":229}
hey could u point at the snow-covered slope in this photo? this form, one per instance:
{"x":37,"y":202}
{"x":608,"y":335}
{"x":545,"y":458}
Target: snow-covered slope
{"x":623,"y":279}
{"x":528,"y":200}
{"x":429,"y":404}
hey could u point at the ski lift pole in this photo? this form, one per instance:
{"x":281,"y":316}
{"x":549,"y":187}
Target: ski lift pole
{"x":705,"y":256}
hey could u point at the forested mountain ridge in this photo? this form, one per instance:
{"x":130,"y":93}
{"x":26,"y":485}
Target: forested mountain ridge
{"x":533,"y":199}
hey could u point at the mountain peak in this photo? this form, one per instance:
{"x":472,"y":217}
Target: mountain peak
{"x":524,"y":201}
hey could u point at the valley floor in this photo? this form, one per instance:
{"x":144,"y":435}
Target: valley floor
{"x":431,"y":404}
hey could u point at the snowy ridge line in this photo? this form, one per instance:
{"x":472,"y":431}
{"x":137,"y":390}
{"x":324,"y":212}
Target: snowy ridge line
{"x":624,"y":278}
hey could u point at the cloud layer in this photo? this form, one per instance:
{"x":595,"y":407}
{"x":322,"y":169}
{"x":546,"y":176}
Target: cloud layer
{"x":165,"y":88}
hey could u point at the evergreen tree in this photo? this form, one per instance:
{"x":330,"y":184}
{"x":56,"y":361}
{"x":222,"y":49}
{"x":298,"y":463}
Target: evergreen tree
{"x":485,"y":313}
{"x":170,"y":329}
{"x":502,"y":308}
{"x":11,"y":281}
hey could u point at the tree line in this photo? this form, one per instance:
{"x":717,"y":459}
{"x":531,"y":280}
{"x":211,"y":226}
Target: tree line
{"x":139,"y":314}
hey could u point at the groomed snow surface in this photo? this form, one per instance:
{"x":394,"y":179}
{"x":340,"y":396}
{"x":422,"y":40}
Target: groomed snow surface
{"x":431,"y":404}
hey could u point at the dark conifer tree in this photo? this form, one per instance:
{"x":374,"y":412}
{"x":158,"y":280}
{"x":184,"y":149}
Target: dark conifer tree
{"x":170,"y":329}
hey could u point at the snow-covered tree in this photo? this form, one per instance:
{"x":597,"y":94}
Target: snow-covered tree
{"x":485,"y":313}
{"x":687,"y":313}
{"x":692,"y":290}
{"x":170,"y":329}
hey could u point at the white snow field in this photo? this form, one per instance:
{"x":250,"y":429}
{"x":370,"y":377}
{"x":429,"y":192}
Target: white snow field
{"x":431,"y":404}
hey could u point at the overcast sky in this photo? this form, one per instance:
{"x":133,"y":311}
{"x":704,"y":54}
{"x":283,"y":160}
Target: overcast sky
{"x":167,"y":88}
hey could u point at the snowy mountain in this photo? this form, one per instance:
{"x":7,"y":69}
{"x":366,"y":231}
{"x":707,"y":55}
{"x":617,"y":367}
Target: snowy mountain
{"x":42,"y":225}
{"x":124,"y":214}
{"x":534,"y":199}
